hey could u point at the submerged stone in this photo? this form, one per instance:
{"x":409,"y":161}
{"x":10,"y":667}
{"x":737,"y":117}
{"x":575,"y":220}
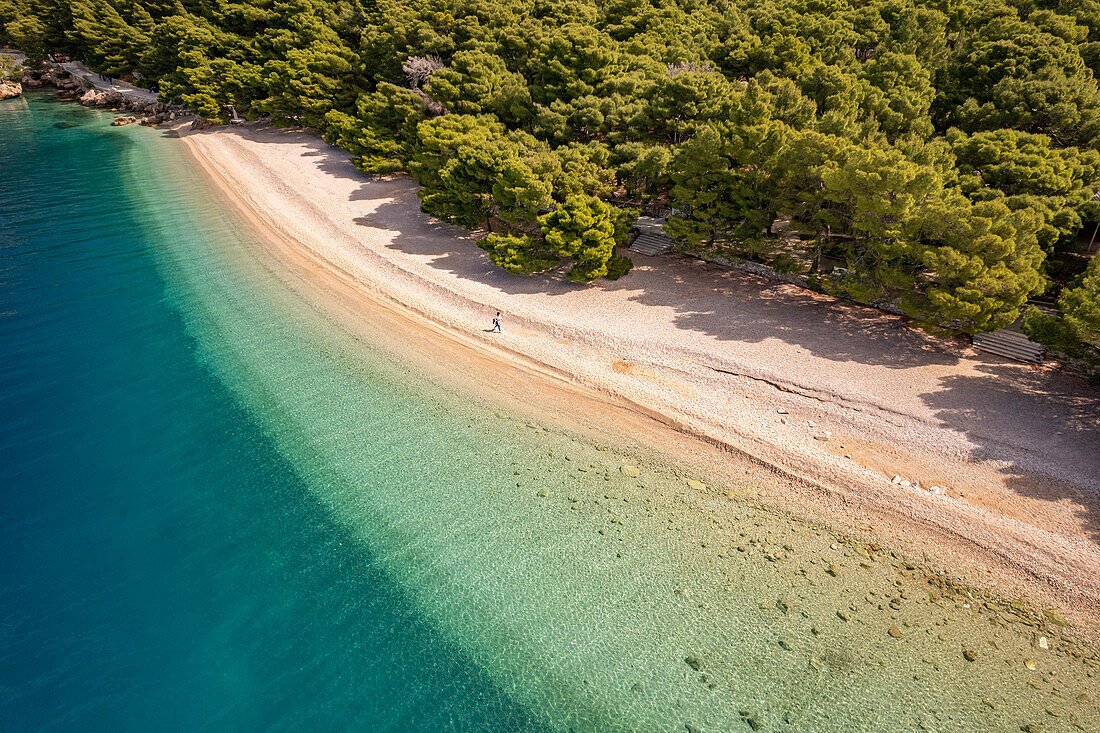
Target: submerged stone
{"x":1056,"y":618}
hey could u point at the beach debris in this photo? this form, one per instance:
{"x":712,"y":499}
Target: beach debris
{"x":895,"y":632}
{"x":694,"y":662}
{"x":697,"y":485}
{"x":1056,"y":618}
{"x":629,"y":471}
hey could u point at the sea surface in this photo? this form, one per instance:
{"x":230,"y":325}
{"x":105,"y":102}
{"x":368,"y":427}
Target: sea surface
{"x":220,"y":511}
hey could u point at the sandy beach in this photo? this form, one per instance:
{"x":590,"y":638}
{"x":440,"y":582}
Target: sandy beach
{"x":822,"y":403}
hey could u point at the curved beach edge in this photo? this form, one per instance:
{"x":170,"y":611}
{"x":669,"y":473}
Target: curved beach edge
{"x":621,"y":361}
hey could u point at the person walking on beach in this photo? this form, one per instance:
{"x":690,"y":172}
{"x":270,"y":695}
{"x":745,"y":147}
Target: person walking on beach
{"x":496,"y":323}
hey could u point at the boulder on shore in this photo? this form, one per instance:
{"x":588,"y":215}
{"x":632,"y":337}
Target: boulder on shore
{"x":8,"y":90}
{"x":124,"y":120}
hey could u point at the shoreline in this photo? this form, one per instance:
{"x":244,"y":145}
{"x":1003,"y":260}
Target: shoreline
{"x":429,"y":313}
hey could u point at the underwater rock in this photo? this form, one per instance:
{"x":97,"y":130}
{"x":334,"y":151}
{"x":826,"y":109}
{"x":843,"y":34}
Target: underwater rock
{"x":693,"y":662}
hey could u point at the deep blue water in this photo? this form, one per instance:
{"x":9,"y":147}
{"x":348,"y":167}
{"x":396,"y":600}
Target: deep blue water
{"x":161,"y":566}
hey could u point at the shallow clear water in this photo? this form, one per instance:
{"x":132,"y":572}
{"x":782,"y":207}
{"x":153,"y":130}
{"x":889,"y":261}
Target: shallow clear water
{"x":219,"y":511}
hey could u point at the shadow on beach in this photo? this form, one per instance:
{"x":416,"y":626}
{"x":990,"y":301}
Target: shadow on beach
{"x":1007,"y":411}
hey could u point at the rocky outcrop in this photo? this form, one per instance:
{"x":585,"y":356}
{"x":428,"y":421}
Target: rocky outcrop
{"x":144,"y":110}
{"x":10,"y":89}
{"x":148,"y":112}
{"x":124,"y":120}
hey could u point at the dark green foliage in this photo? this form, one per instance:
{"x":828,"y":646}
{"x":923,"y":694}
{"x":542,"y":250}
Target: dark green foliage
{"x":1075,"y":331}
{"x":519,"y":253}
{"x":583,"y":229}
{"x":943,"y":153}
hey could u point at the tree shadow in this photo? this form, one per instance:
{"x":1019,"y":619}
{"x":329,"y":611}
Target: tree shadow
{"x":1030,"y":419}
{"x":715,"y":302}
{"x":1035,"y":420}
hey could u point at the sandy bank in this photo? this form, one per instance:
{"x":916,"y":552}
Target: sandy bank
{"x":823,"y":401}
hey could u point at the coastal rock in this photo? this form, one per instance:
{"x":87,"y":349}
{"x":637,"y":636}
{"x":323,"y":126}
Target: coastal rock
{"x":124,"y":120}
{"x":9,"y":90}
{"x":1055,"y":618}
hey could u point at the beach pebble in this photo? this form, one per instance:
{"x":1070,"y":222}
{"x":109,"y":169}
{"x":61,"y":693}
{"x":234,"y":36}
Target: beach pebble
{"x":697,"y":485}
{"x":811,"y":423}
{"x":629,"y":470}
{"x":969,"y":655}
{"x":895,"y":632}
{"x":896,"y":479}
{"x":1030,"y":664}
{"x":1043,"y":643}
{"x":781,"y":411}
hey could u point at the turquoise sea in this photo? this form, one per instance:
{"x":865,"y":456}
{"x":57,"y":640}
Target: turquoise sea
{"x":220,"y":511}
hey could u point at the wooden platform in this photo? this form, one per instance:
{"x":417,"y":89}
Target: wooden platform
{"x":651,"y":239}
{"x":1010,"y":344}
